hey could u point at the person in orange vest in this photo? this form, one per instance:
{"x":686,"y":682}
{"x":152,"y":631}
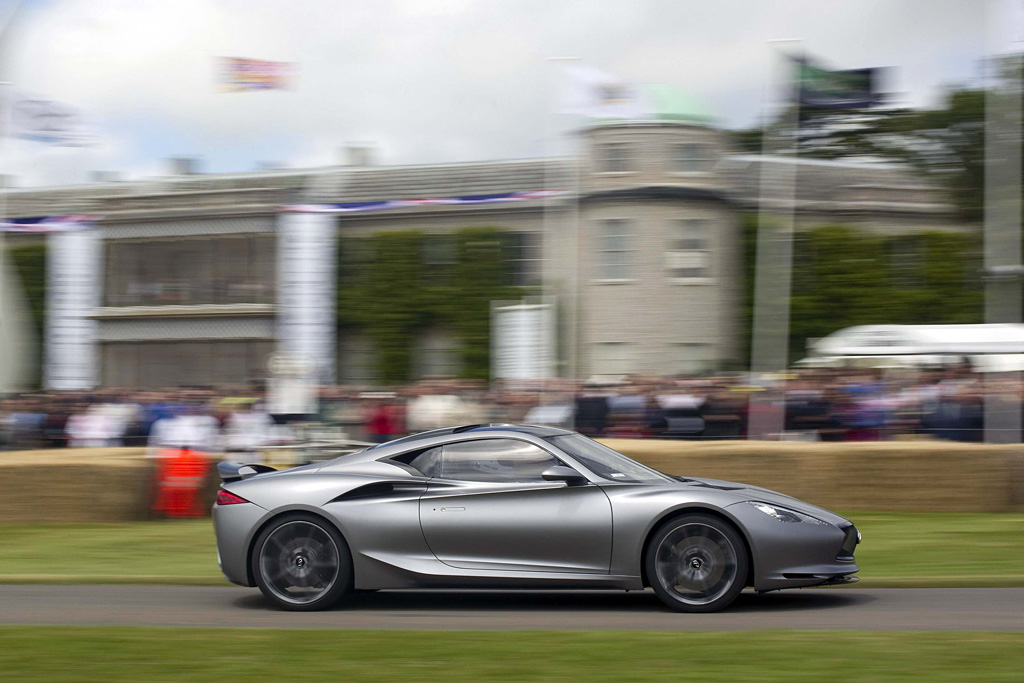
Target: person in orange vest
{"x":180,"y":442}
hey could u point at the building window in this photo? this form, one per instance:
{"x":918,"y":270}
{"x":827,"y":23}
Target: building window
{"x":689,"y":252}
{"x":438,"y":250}
{"x":355,"y":255}
{"x":616,"y":250}
{"x":193,"y":271}
{"x":907,"y":263}
{"x":613,"y":158}
{"x":357,"y":358}
{"x":438,"y":254}
{"x":436,"y":354}
{"x":692,"y":157}
{"x":613,"y":358}
{"x":157,"y":365}
{"x":525,"y":258}
{"x":690,"y":358}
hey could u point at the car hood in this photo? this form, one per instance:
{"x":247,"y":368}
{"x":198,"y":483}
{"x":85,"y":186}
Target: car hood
{"x":746,"y":492}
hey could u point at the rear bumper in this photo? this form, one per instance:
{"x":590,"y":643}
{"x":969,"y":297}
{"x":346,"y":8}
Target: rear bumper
{"x":234,"y":526}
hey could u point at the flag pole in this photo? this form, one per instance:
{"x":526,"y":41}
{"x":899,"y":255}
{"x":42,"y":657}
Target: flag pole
{"x":1002,"y":219}
{"x":769,"y":349}
{"x":577,"y":271}
{"x":549,"y":237}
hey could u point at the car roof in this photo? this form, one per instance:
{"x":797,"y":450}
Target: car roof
{"x":438,"y":437}
{"x":488,"y":428}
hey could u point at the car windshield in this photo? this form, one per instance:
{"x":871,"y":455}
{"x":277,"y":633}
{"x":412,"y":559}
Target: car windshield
{"x":605,"y":462}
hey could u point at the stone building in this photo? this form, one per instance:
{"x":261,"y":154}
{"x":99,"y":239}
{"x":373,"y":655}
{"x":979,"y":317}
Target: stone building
{"x":187,"y":281}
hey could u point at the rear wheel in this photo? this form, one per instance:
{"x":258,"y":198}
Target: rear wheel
{"x":301,"y":563}
{"x":697,"y":563}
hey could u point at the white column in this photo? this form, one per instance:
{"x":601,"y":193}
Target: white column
{"x":307,"y":290}
{"x":1002,"y":223}
{"x":74,"y":286}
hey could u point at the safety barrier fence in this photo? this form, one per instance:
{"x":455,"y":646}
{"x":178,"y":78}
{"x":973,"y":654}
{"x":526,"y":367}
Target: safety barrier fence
{"x":106,"y":485}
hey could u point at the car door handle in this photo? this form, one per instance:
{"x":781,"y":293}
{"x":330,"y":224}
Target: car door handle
{"x":450,"y":509}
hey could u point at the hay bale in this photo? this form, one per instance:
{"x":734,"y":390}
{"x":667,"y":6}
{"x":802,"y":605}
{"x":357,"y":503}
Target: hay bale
{"x":891,"y":475}
{"x":111,"y":485}
{"x":73,"y":485}
{"x":81,"y":485}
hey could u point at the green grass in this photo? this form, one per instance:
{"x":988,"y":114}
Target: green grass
{"x":31,"y":654}
{"x":899,"y":549}
{"x":940,"y":549}
{"x":168,"y":552}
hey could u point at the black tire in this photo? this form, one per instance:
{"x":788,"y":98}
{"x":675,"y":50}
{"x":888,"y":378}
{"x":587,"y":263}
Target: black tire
{"x":697,"y":563}
{"x":301,"y":563}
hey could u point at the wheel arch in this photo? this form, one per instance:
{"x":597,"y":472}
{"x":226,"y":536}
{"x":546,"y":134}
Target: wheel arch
{"x":676,"y":513}
{"x":250,"y":577}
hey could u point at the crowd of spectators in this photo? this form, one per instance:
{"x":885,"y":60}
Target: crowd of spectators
{"x":828,"y":405}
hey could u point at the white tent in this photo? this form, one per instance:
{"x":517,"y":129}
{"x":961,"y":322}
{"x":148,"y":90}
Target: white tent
{"x":990,"y":348}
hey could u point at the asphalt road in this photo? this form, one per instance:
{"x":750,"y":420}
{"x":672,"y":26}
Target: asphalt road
{"x":925,"y":609}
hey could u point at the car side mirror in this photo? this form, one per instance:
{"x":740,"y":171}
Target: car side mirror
{"x":563,"y":473}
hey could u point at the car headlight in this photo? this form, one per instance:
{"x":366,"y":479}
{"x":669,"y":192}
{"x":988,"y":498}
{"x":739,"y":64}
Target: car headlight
{"x":783,"y":514}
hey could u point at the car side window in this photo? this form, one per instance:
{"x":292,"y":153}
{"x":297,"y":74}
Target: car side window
{"x":495,"y":460}
{"x":428,"y":462}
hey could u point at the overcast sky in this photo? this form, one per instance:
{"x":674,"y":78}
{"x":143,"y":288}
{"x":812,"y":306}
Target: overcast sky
{"x":429,"y":81}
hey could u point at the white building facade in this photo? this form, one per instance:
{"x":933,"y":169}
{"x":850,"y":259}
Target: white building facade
{"x":199,"y":279}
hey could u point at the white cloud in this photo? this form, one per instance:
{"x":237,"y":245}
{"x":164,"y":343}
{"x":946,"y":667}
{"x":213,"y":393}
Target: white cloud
{"x":432,"y":80}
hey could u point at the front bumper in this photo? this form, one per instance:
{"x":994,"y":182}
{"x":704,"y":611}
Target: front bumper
{"x":798,"y":555}
{"x":842,"y":580}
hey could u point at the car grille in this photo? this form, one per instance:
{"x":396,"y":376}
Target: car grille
{"x":850,"y":541}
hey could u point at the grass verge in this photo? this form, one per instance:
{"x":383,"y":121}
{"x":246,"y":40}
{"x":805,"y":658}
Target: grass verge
{"x":151,"y":654}
{"x":899,"y":549}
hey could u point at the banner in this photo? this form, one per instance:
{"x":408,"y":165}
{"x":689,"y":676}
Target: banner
{"x":824,"y":89}
{"x":73,"y":286}
{"x":41,"y":119}
{"x":237,"y":74}
{"x":468,"y":200}
{"x":307,"y":293}
{"x":45,"y":224}
{"x":523,"y":339}
{"x":599,"y":95}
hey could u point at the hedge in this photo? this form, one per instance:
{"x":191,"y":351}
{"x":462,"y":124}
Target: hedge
{"x":393,"y":284}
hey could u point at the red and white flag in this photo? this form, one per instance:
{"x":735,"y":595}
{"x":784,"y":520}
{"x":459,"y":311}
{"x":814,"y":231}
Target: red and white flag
{"x":237,"y":74}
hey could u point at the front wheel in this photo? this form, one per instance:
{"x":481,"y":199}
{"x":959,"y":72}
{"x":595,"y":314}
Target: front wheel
{"x":697,"y":563}
{"x":301,"y":563}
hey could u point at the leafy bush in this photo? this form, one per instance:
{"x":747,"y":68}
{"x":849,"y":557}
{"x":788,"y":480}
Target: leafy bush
{"x":845,"y":276}
{"x":387,"y":290}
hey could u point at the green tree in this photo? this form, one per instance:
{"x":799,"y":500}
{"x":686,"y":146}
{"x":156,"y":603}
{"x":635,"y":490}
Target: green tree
{"x":481,"y":276}
{"x":29,"y":263}
{"x":843,"y":277}
{"x":946,"y":143}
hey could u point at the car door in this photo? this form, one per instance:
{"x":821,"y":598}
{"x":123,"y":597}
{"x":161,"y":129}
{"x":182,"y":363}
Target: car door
{"x":488,"y":508}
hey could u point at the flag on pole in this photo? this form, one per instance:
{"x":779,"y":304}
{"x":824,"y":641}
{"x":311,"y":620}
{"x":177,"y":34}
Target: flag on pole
{"x":822,"y":88}
{"x":237,"y":74}
{"x":599,"y":95}
{"x":41,"y":119}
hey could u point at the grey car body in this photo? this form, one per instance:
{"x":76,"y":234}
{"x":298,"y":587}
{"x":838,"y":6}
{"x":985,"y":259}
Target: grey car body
{"x":407,"y":524}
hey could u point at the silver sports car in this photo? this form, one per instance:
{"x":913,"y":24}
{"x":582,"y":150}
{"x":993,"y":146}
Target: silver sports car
{"x":516,"y":506}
